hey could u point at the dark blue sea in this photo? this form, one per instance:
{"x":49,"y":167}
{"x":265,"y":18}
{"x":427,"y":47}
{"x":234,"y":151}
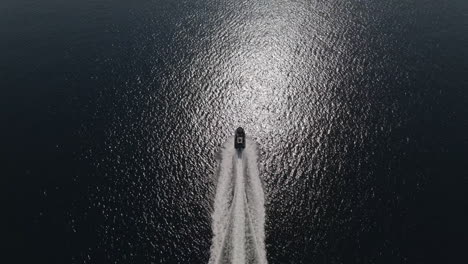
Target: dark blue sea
{"x":118,"y":120}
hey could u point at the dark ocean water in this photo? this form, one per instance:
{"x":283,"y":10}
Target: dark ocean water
{"x":114,"y":113}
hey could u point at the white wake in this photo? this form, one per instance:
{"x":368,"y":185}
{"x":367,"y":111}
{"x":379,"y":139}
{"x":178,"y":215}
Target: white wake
{"x":239,"y":211}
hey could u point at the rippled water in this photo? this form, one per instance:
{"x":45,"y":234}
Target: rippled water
{"x":116,"y":114}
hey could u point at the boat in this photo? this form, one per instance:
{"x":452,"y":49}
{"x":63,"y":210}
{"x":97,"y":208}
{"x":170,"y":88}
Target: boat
{"x":239,"y":139}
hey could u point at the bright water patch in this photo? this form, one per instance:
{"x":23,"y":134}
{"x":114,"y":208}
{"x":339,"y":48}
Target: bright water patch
{"x":239,"y":210}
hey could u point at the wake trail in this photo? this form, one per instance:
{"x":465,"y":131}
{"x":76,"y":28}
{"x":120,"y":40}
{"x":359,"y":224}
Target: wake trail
{"x":238,"y":238}
{"x":256,"y":201}
{"x":239,"y":212}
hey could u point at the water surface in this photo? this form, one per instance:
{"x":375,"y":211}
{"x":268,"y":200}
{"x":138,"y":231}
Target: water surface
{"x":115,"y":113}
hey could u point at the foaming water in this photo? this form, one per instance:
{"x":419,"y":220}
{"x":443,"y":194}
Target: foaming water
{"x":239,"y":211}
